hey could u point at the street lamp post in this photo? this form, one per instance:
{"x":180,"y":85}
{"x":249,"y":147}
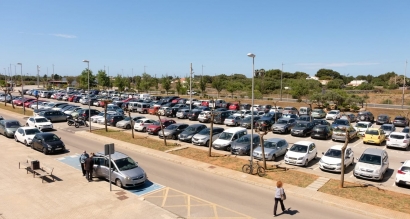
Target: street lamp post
{"x":404,"y":86}
{"x":190,"y":89}
{"x":22,"y":86}
{"x":89,"y":107}
{"x":253,"y":84}
{"x":281,"y":82}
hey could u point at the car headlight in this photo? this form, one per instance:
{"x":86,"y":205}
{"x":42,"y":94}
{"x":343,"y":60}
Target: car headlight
{"x":49,"y":146}
{"x":128,"y":178}
{"x":339,"y":164}
{"x":190,"y":136}
{"x":320,"y":161}
{"x":300,"y":158}
{"x":377,"y":171}
{"x":286,"y":156}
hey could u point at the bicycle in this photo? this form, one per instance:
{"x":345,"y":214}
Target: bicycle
{"x":259,"y":169}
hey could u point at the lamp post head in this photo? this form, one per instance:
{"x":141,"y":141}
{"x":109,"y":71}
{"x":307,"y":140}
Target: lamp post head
{"x":86,"y":61}
{"x":251,"y":55}
{"x":19,"y":63}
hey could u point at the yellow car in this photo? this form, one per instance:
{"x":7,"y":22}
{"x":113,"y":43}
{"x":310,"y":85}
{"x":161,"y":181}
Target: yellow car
{"x":374,"y":136}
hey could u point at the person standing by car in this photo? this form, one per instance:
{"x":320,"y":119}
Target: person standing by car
{"x":82,"y":159}
{"x":89,"y":163}
{"x":279,"y":197}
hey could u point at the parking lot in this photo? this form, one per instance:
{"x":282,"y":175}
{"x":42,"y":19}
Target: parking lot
{"x":396,"y":156}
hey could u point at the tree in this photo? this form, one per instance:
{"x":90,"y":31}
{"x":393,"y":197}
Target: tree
{"x":202,"y":86}
{"x":328,"y":74}
{"x":103,"y":79}
{"x":218,"y":84}
{"x":178,"y":86}
{"x":119,"y":82}
{"x":83,"y":79}
{"x":70,"y":80}
{"x":166,"y":84}
{"x":335,"y":84}
{"x":233,"y":86}
{"x":303,"y":87}
{"x":317,"y":98}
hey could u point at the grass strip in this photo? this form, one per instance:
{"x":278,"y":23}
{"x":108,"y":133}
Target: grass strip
{"x":369,"y":194}
{"x":16,"y":110}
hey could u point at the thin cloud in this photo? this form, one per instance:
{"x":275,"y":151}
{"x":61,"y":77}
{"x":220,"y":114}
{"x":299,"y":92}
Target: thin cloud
{"x":64,"y":35}
{"x":337,"y":64}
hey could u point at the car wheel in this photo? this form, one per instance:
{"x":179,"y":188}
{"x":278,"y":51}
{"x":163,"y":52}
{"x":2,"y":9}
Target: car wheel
{"x":306,"y":163}
{"x":207,"y":143}
{"x":128,"y":127}
{"x":45,"y":151}
{"x":26,"y":143}
{"x":144,"y":129}
{"x":118,"y":183}
{"x":15,"y":138}
{"x":174,"y":137}
{"x":273,"y":158}
{"x":228,"y":148}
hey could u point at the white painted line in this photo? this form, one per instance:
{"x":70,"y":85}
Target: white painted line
{"x":394,"y":184}
{"x":61,"y":158}
{"x":316,"y":168}
{"x":351,"y":176}
{"x":73,"y":156}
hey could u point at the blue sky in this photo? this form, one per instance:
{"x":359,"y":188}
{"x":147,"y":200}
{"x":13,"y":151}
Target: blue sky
{"x":352,"y":37}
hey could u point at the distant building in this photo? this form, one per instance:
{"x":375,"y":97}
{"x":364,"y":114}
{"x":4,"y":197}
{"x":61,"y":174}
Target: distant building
{"x":323,"y":82}
{"x":356,"y":83}
{"x":312,"y":78}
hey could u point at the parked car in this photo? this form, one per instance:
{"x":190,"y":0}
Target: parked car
{"x":233,"y":120}
{"x":365,"y":116}
{"x":242,"y":146}
{"x":339,"y":133}
{"x":293,"y":116}
{"x":48,"y":143}
{"x":224,"y":142}
{"x":247,"y":121}
{"x":190,"y":131}
{"x":9,"y":127}
{"x":302,"y":128}
{"x":202,"y":138}
{"x":141,"y":125}
{"x":220,"y":116}
{"x":182,"y":113}
{"x":372,"y":164}
{"x":306,"y":118}
{"x":333,"y":114}
{"x":403,"y":174}
{"x":374,"y":136}
{"x":388,"y":128}
{"x":273,"y":147}
{"x":128,"y":122}
{"x":383,"y":119}
{"x":204,"y":116}
{"x":340,"y":122}
{"x":332,"y":158}
{"x":349,"y":117}
{"x":25,"y":134}
{"x":361,"y":127}
{"x":301,"y":153}
{"x":39,"y":122}
{"x":100,"y":115}
{"x":400,"y":121}
{"x":277,"y":109}
{"x":321,"y":122}
{"x":155,"y":128}
{"x":321,"y":131}
{"x":284,"y":125}
{"x":114,"y":119}
{"x":85,"y":113}
{"x":290,"y":110}
{"x":398,"y":140}
{"x":406,"y":130}
{"x":193,"y":114}
{"x":265,"y":124}
{"x":125,"y":171}
{"x":318,"y":113}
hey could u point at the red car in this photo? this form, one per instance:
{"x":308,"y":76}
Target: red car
{"x":175,"y":100}
{"x":28,"y":103}
{"x":70,"y":98}
{"x":154,"y":129}
{"x":21,"y":102}
{"x":234,"y":106}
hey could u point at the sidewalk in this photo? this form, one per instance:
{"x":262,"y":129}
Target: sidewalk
{"x":319,"y":197}
{"x":69,"y":196}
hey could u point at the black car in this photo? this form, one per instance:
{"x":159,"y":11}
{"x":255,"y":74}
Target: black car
{"x":321,"y":131}
{"x":193,"y":115}
{"x":220,"y":116}
{"x":400,"y":121}
{"x":48,"y":143}
{"x":114,"y":119}
{"x":321,"y":122}
{"x":306,"y":118}
{"x":272,"y":115}
{"x":85,"y":113}
{"x":365,"y":116}
{"x":302,"y":128}
{"x":246,"y":122}
{"x":383,"y":119}
{"x":265,"y":124}
{"x":172,"y":131}
{"x":171,"y":112}
{"x":190,"y":131}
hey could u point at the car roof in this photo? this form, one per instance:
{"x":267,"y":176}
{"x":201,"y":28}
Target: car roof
{"x":274,"y":139}
{"x":388,"y":125}
{"x":373,"y":151}
{"x":337,"y":147}
{"x":397,"y":117}
{"x":235,"y":129}
{"x":320,"y":126}
{"x":377,"y":129}
{"x":364,"y":122}
{"x":307,"y":143}
{"x":398,"y":133}
{"x":115,"y":156}
{"x":196,"y":125}
{"x":286,"y":118}
{"x":45,"y":133}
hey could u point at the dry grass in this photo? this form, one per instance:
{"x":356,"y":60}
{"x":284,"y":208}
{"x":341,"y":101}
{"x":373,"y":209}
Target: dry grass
{"x":370,"y":195}
{"x":291,"y":177}
{"x":138,"y":140}
{"x":16,"y":109}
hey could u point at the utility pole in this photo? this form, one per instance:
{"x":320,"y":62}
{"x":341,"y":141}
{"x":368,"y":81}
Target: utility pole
{"x":404,"y":85}
{"x":281,"y":82}
{"x":190,"y":89}
{"x":38,"y":76}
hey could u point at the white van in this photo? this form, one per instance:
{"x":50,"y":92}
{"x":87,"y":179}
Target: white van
{"x":44,"y":94}
{"x":304,"y":110}
{"x":227,"y":137}
{"x":144,"y":96}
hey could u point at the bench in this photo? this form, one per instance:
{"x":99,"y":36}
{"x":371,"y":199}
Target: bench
{"x":27,"y":164}
{"x":44,"y":171}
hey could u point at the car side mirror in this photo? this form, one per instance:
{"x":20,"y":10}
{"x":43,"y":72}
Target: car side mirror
{"x":323,"y":153}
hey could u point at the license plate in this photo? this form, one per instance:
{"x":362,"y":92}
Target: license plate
{"x":371,"y":141}
{"x":58,"y":149}
{"x":292,"y":161}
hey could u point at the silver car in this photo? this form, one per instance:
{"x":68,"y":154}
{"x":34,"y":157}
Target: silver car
{"x":274,"y":147}
{"x":202,"y":138}
{"x":373,"y":164}
{"x":126,"y":123}
{"x":125,"y":171}
{"x":339,"y":133}
{"x":284,"y":125}
{"x":233,"y":121}
{"x":9,"y":127}
{"x":182,"y":113}
{"x":388,"y":128}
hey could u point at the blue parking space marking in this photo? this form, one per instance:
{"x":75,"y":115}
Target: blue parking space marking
{"x":72,"y":161}
{"x":147,"y":188}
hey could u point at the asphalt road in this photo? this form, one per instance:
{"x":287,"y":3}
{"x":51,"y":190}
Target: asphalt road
{"x":241,"y":197}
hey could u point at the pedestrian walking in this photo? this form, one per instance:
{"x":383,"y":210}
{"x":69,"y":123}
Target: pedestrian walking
{"x":280,"y":196}
{"x":82,"y":159}
{"x":88,"y":165}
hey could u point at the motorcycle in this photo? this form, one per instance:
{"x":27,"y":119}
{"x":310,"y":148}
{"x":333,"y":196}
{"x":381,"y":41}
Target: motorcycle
{"x":80,"y":122}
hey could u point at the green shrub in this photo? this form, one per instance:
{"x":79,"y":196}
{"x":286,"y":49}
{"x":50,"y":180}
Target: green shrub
{"x":387,"y":101}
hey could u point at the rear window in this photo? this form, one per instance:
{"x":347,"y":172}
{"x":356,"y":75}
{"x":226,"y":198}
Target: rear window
{"x":399,"y":118}
{"x":397,"y":136}
{"x":405,"y":169}
{"x":372,"y":132}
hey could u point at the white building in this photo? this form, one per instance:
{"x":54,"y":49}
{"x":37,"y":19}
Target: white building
{"x":356,"y":83}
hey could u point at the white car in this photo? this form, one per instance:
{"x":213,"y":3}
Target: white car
{"x":398,"y":140}
{"x":162,"y":110}
{"x":256,"y":107}
{"x":142,"y":124}
{"x":361,"y":127}
{"x":25,"y":134}
{"x":101,"y":115}
{"x":301,"y":153}
{"x":41,"y":105}
{"x":331,"y":159}
{"x":241,"y":113}
{"x":333,"y":114}
{"x":39,"y":122}
{"x":403,"y":174}
{"x":276,"y":109}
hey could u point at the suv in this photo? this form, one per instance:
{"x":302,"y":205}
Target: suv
{"x":126,"y":172}
{"x":365,"y":116}
{"x":400,"y":121}
{"x":373,"y":164}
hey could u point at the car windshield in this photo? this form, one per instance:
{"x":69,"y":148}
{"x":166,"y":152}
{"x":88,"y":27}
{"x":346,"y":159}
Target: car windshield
{"x":172,"y":127}
{"x":156,"y":123}
{"x":125,"y":164}
{"x":190,"y":129}
{"x":226,"y":136}
{"x":13,"y":124}
{"x":371,"y":159}
{"x":51,"y":138}
{"x":268,"y":144}
{"x":361,"y":125}
{"x":387,"y":127}
{"x":303,"y":125}
{"x":244,"y":139}
{"x":341,"y":122}
{"x":382,"y":117}
{"x":333,"y":153}
{"x":280,"y":121}
{"x":32,"y":131}
{"x":332,"y":112}
{"x":317,"y":111}
{"x":231,"y":117}
{"x":372,"y":132}
{"x":299,"y":148}
{"x":100,"y":114}
{"x":127,"y":118}
{"x":41,"y":120}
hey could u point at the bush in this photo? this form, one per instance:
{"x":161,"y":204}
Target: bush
{"x":388,"y":101}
